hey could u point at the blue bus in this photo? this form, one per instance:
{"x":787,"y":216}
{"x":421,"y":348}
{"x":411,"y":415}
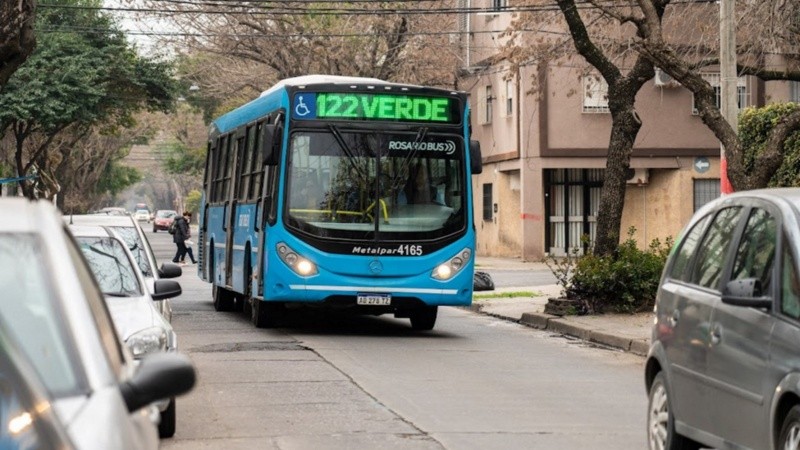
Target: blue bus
{"x":340,"y":192}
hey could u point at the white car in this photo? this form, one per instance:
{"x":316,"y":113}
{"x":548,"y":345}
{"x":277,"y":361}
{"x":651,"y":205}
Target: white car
{"x":140,"y":325}
{"x":52,"y":308}
{"x":142,"y":215}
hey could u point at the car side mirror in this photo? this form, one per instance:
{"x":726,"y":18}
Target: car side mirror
{"x":164,"y":289}
{"x":746,"y":292}
{"x":271,"y":143}
{"x":476,"y":163}
{"x":169,"y":270}
{"x":159,"y":376}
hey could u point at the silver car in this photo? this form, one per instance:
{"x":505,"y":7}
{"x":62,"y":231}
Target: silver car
{"x":134,"y":236}
{"x":723,"y":370}
{"x":52,"y":307}
{"x":140,"y":325}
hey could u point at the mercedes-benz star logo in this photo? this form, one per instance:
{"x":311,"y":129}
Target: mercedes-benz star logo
{"x":375,"y":266}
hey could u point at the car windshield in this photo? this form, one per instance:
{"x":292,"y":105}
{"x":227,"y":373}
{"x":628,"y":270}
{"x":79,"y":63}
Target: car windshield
{"x":166,"y":214}
{"x":137,"y":247}
{"x":395,"y":186}
{"x":30,"y":310}
{"x":142,"y":211}
{"x":110,"y":265}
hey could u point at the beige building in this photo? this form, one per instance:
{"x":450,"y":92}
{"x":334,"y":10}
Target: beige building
{"x":544,"y":153}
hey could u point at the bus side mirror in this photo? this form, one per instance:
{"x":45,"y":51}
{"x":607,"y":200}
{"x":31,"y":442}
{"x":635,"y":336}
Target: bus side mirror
{"x":271,"y":144}
{"x":476,"y":163}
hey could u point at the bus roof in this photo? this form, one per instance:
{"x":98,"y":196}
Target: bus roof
{"x":322,"y":79}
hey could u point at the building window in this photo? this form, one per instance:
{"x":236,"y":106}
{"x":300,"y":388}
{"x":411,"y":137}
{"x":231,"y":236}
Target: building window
{"x":705,"y":190}
{"x":487,"y":101}
{"x":509,"y":98}
{"x":714,"y":80}
{"x":794,"y":91}
{"x":498,"y":5}
{"x":487,"y":201}
{"x":595,"y":94}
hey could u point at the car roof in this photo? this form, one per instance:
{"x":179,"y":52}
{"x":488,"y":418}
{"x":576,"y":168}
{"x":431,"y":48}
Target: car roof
{"x":23,"y":215}
{"x":100,"y":219}
{"x":91,"y":231}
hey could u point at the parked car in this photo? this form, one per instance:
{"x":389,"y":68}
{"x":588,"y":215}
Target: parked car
{"x":142,"y":215}
{"x":140,"y":325}
{"x":113,"y":211}
{"x":723,"y":370}
{"x":53,"y":308}
{"x":133,"y":235}
{"x":27,"y":419}
{"x":163,"y":219}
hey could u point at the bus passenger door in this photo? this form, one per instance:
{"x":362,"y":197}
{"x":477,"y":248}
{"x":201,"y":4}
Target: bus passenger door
{"x":231,"y":212}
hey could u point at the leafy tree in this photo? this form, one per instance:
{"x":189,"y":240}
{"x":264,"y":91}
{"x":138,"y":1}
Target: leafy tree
{"x":73,"y":83}
{"x":755,"y":127}
{"x":193,"y":200}
{"x":17,"y":39}
{"x":185,"y":160}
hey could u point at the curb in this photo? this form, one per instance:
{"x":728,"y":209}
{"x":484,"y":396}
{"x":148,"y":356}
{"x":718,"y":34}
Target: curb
{"x":556,"y":324}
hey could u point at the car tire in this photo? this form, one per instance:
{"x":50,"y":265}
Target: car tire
{"x":790,"y":430}
{"x":223,"y":299}
{"x":166,"y":427}
{"x":661,"y":432}
{"x":424,"y":318}
{"x":266,"y":314}
{"x":155,"y":230}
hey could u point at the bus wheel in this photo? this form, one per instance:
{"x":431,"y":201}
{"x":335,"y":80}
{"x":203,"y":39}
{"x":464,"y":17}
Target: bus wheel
{"x":423,"y":318}
{"x":223,"y":300}
{"x":266,"y":314}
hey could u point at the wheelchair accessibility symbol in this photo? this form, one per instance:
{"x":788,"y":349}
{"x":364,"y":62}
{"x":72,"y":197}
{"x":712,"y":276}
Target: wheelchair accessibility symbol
{"x":305,"y":106}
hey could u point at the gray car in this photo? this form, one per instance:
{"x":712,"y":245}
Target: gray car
{"x":140,"y":325}
{"x":723,"y":370}
{"x":52,"y":307}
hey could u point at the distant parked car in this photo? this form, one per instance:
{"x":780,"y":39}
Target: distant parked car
{"x":723,"y":370}
{"x":112,"y":211}
{"x":52,"y":307}
{"x":163,"y":219}
{"x":142,"y":215}
{"x":140,"y":325}
{"x":133,"y":235}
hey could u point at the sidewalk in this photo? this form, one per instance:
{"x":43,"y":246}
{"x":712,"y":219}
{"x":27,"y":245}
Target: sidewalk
{"x":628,"y":332}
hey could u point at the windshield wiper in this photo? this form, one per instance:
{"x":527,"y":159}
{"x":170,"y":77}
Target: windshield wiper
{"x":117,"y":294}
{"x":363,"y":179}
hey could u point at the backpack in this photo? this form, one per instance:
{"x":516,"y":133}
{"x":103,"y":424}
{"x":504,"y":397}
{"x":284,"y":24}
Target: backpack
{"x":172,"y":227}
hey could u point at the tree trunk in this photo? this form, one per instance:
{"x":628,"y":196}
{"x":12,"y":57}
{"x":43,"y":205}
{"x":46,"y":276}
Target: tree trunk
{"x":17,"y":39}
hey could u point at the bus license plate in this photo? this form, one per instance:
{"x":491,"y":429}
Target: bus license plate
{"x":374,"y":299}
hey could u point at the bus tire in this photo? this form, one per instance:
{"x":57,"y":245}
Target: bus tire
{"x":424,"y":317}
{"x":266,"y":314}
{"x":223,"y":299}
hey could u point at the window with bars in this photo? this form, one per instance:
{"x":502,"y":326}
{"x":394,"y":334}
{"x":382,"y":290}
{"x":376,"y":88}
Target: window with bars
{"x":498,"y":5}
{"x":509,"y":98}
{"x":487,"y":101}
{"x":595,"y":94}
{"x":487,"y":202}
{"x":705,"y":190}
{"x":713,"y":79}
{"x":794,"y":91}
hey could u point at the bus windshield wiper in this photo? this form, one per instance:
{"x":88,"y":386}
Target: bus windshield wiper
{"x":351,"y":158}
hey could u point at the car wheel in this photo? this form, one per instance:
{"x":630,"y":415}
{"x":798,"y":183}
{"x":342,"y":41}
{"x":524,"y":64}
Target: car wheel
{"x":424,"y":318}
{"x":166,"y":427}
{"x":266,"y":314}
{"x":155,"y":230}
{"x":661,"y":433}
{"x":790,"y":431}
{"x":223,"y":299}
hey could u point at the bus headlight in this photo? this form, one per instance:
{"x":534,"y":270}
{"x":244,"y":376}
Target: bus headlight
{"x":297,"y":263}
{"x":149,"y":340}
{"x":449,"y":269}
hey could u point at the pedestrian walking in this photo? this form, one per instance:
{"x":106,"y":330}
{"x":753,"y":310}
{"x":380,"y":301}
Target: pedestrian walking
{"x":180,"y":236}
{"x":188,"y":242}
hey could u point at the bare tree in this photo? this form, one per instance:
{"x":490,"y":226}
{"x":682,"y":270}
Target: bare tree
{"x":17,"y":39}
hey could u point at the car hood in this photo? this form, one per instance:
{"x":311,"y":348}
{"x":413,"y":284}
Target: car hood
{"x":134,"y":314}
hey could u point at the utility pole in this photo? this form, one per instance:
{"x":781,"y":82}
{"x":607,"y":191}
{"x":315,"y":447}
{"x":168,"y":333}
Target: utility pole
{"x":728,"y":83}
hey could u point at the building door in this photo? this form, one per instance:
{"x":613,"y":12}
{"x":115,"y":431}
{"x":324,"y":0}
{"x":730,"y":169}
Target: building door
{"x":571,"y":204}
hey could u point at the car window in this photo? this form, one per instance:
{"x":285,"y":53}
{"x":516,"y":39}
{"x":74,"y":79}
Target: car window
{"x":97,"y":304}
{"x":30,"y":311}
{"x":756,"y":253}
{"x":110,"y":265}
{"x":711,"y":253}
{"x":680,"y":268}
{"x":790,"y":285}
{"x":137,"y":248}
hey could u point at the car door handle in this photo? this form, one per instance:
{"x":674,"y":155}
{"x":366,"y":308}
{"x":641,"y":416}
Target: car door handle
{"x":716,"y":334}
{"x":673,"y":321}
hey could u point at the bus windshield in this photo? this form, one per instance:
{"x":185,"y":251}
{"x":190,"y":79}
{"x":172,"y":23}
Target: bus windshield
{"x":390,"y":186}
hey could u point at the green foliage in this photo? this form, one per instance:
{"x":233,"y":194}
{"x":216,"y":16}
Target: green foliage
{"x":626,"y":281}
{"x":184,"y":160}
{"x":755,"y":124}
{"x":514,"y":294}
{"x":192,"y":202}
{"x":116,"y":178}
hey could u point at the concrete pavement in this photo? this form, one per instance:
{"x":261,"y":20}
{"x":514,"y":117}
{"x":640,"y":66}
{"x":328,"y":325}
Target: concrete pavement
{"x":628,"y":332}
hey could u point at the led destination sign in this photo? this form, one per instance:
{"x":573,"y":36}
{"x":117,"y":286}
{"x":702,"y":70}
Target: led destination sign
{"x":364,"y":106}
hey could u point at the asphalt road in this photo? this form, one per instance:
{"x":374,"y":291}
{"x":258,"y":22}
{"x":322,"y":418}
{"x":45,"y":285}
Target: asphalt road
{"x":474,"y":382}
